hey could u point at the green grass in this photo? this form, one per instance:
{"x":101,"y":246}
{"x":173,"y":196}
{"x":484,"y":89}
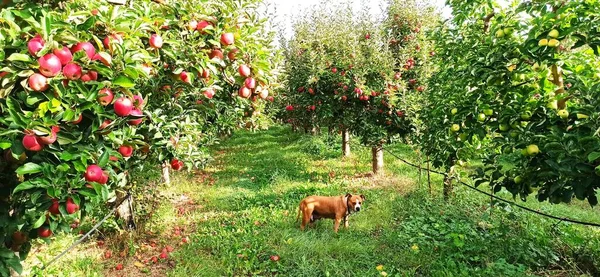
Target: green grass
{"x":245,"y":205}
{"x":249,"y":215}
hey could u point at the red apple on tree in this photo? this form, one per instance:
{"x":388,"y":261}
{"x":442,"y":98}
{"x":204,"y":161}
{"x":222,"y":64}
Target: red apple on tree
{"x":71,"y":206}
{"x":216,"y":53}
{"x":232,"y":54}
{"x":72,"y":71}
{"x":50,"y":65}
{"x":264,"y":94}
{"x":38,"y":82}
{"x":205,"y":73}
{"x":244,"y":70}
{"x":138,"y":101}
{"x":32,"y":143}
{"x":78,"y":119}
{"x":250,"y":83}
{"x":105,"y":96}
{"x":89,"y":49}
{"x":110,"y":39}
{"x":209,"y":93}
{"x":89,"y":76}
{"x":227,"y":39}
{"x":50,"y":138}
{"x":44,"y":232}
{"x":64,"y":55}
{"x":185,"y":77}
{"x":156,"y":41}
{"x":104,"y":179}
{"x":35,"y":45}
{"x":53,"y":209}
{"x":126,"y":150}
{"x":93,"y":173}
{"x":202,"y":25}
{"x":244,"y":92}
{"x":135,"y":122}
{"x":123,"y":106}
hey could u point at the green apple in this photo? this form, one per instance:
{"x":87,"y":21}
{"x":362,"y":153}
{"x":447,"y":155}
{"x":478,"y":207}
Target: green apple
{"x":500,"y":33}
{"x":524,"y":123}
{"x":508,"y":31}
{"x":524,"y":152}
{"x":481,"y":117}
{"x":518,"y":180}
{"x":526,"y":115}
{"x":513,"y":133}
{"x":532,"y":150}
{"x":554,"y":33}
{"x":463,"y":137}
{"x":553,"y":43}
{"x":454,"y":111}
{"x":564,"y":114}
{"x":543,"y":42}
{"x":582,"y":116}
{"x":455,"y":128}
{"x":552,"y":105}
{"x":504,"y":127}
{"x":488,"y":112}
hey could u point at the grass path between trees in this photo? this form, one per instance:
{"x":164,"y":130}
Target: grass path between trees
{"x":239,"y":215}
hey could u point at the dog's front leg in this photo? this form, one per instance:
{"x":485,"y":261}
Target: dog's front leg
{"x":338,"y":220}
{"x":345,"y":221}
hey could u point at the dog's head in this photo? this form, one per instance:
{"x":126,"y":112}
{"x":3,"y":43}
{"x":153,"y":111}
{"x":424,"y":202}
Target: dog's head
{"x":355,"y":202}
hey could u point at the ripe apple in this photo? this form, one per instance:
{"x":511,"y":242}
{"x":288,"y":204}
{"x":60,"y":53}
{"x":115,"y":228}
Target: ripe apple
{"x":185,"y":77}
{"x":163,"y":255}
{"x":532,"y":150}
{"x":344,"y":98}
{"x":454,"y":111}
{"x":244,"y":92}
{"x":250,"y":83}
{"x":104,"y":178}
{"x":89,"y":49}
{"x":135,"y":122}
{"x":38,"y":82}
{"x":553,"y":43}
{"x":156,"y":41}
{"x":227,"y":39}
{"x":232,"y":54}
{"x":334,"y":70}
{"x":64,"y":55}
{"x":554,"y":33}
{"x":176,"y":164}
{"x":71,"y":206}
{"x":488,"y":112}
{"x":504,"y":127}
{"x":32,"y":143}
{"x":244,"y":70}
{"x":35,"y":45}
{"x":543,"y":42}
{"x":54,"y":207}
{"x":78,"y":119}
{"x":564,"y":114}
{"x":110,"y":39}
{"x":126,"y":150}
{"x":500,"y":33}
{"x":105,"y":59}
{"x":49,"y":139}
{"x":119,"y":267}
{"x":367,"y":36}
{"x":123,"y":106}
{"x":72,"y":71}
{"x":289,"y":108}
{"x":481,"y":117}
{"x":216,"y":53}
{"x":93,"y":173}
{"x":420,"y":88}
{"x":50,"y":65}
{"x":44,"y":232}
{"x":202,"y":25}
{"x":455,"y":128}
{"x":89,"y":76}
{"x":205,"y":73}
{"x":209,"y":93}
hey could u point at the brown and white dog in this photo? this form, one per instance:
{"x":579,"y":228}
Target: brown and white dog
{"x":314,"y":208}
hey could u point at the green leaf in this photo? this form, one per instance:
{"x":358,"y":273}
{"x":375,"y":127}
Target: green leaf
{"x":40,"y":221}
{"x":123,"y":81}
{"x":5,"y":144}
{"x":23,"y":186}
{"x":87,"y":24}
{"x":593,"y":156}
{"x":15,"y":264}
{"x":29,"y":168}
{"x":103,"y":159}
{"x":19,"y":57}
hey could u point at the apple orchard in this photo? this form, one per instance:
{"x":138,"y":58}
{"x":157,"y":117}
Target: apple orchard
{"x":91,"y":91}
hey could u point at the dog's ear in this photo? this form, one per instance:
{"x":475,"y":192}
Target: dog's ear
{"x":363,"y":197}
{"x":348,"y":195}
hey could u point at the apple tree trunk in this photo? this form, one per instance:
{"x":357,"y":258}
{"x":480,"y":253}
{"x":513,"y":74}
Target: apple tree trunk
{"x":125,"y":210}
{"x":377,"y":159}
{"x":165,"y":173}
{"x":345,"y":143}
{"x":448,"y":187}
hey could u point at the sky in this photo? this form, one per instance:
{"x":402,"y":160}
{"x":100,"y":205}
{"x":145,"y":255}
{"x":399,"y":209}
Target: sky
{"x":285,"y":9}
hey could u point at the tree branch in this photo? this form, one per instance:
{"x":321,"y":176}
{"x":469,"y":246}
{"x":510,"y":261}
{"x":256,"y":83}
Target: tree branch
{"x":486,"y":21}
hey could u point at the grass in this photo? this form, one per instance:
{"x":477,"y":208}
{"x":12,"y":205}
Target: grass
{"x":241,"y":211}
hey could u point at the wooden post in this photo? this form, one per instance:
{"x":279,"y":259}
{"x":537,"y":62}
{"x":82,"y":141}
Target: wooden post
{"x":345,"y":142}
{"x":377,"y":159}
{"x":429,"y":176}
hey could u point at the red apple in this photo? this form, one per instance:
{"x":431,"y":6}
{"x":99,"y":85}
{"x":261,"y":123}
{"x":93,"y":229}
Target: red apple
{"x":89,"y":76}
{"x":138,"y":101}
{"x":176,"y":164}
{"x":274,"y":258}
{"x":104,"y":124}
{"x":250,"y":83}
{"x":35,"y":45}
{"x":94,"y":12}
{"x":93,"y":173}
{"x":205,"y":73}
{"x":420,"y":88}
{"x":78,"y":120}
{"x":50,"y":65}
{"x":216,"y":53}
{"x":49,"y":139}
{"x":32,"y":143}
{"x":227,"y":39}
{"x":412,"y":82}
{"x":344,"y":98}
{"x":135,"y":122}
{"x":38,"y":82}
{"x":110,"y":39}
{"x":126,"y":150}
{"x":202,"y":25}
{"x":104,"y":59}
{"x":289,"y":108}
{"x":119,"y":267}
{"x":53,"y":209}
{"x":334,"y":70}
{"x":71,"y":206}
{"x":209,"y":93}
{"x":123,"y":106}
{"x":232,"y":54}
{"x":89,"y":49}
{"x":44,"y":232}
{"x":397,"y":76}
{"x":301,"y":89}
{"x":163,"y":255}
{"x":244,"y":70}
{"x":105,"y":96}
{"x":185,"y":77}
{"x":64,"y":55}
{"x":271,"y":98}
{"x":104,"y":179}
{"x":244,"y":92}
{"x":156,"y":41}
{"x":367,"y":36}
{"x":72,"y":71}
